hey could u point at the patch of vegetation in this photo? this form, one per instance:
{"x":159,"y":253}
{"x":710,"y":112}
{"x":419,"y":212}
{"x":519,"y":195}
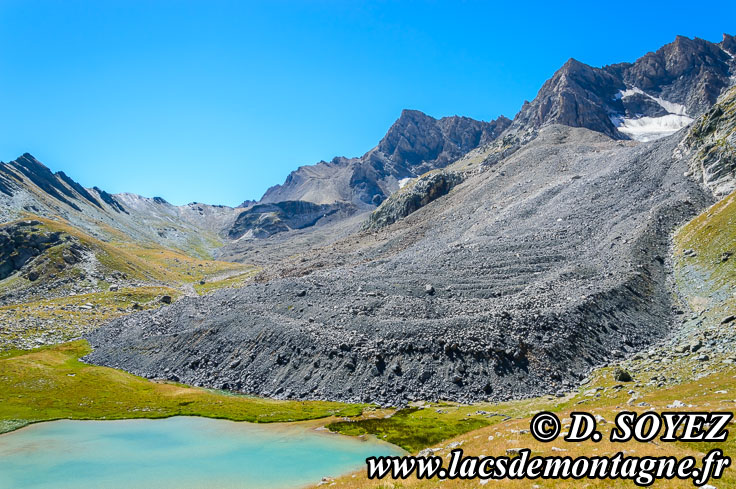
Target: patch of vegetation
{"x":712,"y":238}
{"x":233,"y":281}
{"x":62,"y":319}
{"x":713,"y":393}
{"x":412,"y":428}
{"x":51,"y":383}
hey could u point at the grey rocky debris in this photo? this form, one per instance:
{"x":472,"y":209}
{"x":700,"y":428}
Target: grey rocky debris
{"x":543,"y":265}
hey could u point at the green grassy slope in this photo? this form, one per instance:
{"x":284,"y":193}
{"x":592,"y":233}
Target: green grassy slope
{"x":51,"y":383}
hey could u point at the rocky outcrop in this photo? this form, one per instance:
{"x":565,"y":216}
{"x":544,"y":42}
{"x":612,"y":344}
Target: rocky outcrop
{"x":21,"y":242}
{"x":264,"y":220}
{"x":711,"y":146}
{"x":413,"y":196}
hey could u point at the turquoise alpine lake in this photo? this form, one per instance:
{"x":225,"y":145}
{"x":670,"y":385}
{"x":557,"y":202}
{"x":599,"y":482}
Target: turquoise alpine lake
{"x":178,"y":453}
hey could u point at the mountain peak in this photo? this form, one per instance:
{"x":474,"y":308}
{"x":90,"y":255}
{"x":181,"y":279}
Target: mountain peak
{"x":414,"y":144}
{"x":729,"y":44}
{"x":575,"y":96}
{"x":413,"y":114}
{"x":573,"y":63}
{"x":416,"y":138}
{"x":685,"y":77}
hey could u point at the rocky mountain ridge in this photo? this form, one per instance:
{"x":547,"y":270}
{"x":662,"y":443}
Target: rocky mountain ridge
{"x":415,"y":144}
{"x":657,"y":95}
{"x":28,"y":187}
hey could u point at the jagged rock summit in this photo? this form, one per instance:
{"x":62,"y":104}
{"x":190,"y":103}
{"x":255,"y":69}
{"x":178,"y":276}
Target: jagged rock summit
{"x":655,"y":96}
{"x":415,"y":143}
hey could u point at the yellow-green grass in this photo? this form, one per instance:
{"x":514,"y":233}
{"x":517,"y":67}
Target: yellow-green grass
{"x":711,"y":234}
{"x":51,"y":383}
{"x":146,"y":261}
{"x":712,"y":393}
{"x":234,"y":281}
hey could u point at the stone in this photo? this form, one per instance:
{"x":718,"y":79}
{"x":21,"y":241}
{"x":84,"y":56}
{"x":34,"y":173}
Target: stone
{"x":622,"y":375}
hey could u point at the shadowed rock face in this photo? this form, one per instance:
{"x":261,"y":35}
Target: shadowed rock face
{"x":577,"y":95}
{"x":541,"y":267}
{"x":415,"y":143}
{"x":691,"y":72}
{"x":263,"y":220}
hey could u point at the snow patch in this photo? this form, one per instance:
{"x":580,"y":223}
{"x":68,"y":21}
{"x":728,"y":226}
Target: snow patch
{"x":670,"y":107}
{"x":404,"y":181}
{"x":651,"y":128}
{"x":728,"y":53}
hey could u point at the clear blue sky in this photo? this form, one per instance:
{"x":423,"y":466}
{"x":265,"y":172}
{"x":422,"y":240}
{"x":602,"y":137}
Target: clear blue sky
{"x":215,"y":101}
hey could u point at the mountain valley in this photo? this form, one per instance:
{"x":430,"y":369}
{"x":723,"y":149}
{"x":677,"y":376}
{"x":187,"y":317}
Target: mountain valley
{"x":461,"y":274}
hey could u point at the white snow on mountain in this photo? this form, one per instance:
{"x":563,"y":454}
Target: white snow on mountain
{"x":644,"y":128}
{"x":404,"y":181}
{"x":651,"y":128}
{"x":670,"y":107}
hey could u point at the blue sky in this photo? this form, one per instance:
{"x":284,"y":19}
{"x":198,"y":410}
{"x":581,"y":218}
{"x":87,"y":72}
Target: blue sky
{"x":215,"y":101}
